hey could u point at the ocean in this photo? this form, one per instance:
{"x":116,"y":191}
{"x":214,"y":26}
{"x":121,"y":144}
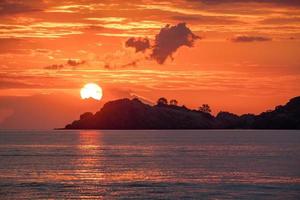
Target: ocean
{"x":140,"y":164}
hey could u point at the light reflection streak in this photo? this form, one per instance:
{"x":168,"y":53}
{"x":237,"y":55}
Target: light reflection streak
{"x":89,"y":156}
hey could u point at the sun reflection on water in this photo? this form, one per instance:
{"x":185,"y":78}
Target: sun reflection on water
{"x":90,"y":153}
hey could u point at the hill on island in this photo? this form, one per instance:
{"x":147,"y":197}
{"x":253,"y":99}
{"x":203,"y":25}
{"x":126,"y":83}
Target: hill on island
{"x":134,"y":114}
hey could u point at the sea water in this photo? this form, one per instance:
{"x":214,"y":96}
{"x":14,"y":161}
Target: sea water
{"x":160,"y":164}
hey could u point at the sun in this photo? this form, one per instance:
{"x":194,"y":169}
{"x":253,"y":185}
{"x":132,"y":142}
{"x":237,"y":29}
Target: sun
{"x":91,"y":90}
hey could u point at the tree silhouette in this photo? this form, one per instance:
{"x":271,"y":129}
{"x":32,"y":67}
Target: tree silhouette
{"x":205,"y":108}
{"x":173,"y":102}
{"x":162,"y":101}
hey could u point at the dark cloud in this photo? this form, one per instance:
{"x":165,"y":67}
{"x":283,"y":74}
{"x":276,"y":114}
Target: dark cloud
{"x":71,"y":62}
{"x":115,"y":66}
{"x":140,"y":44}
{"x":168,"y":40}
{"x":75,"y":63}
{"x":11,"y":7}
{"x":246,"y":38}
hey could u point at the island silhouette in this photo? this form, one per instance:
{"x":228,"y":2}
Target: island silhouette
{"x":134,"y":114}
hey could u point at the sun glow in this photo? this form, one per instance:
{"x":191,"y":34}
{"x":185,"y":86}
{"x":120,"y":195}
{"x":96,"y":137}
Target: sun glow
{"x":91,"y":90}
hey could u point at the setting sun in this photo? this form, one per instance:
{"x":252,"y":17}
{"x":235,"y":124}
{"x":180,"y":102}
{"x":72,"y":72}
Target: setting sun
{"x":91,"y":90}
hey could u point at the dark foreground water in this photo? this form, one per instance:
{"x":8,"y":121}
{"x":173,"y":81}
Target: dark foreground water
{"x":150,"y":165}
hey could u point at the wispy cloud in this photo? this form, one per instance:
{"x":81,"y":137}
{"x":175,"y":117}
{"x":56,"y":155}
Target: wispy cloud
{"x":152,"y":80}
{"x":145,"y":24}
{"x":247,"y":38}
{"x":71,"y":62}
{"x":41,"y":30}
{"x":106,"y":19}
{"x":74,"y":8}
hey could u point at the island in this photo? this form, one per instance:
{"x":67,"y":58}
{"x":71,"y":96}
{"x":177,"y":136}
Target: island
{"x":135,"y":114}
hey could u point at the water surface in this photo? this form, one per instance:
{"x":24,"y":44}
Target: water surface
{"x":150,"y":164}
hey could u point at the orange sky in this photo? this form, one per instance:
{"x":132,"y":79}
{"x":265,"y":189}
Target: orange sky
{"x":246,"y":61}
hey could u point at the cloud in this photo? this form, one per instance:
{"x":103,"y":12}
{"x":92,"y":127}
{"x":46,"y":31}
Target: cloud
{"x":74,"y":63}
{"x":71,"y":62}
{"x":279,"y":2}
{"x":121,"y":58}
{"x":116,"y":66}
{"x":54,"y":67}
{"x":281,"y":20}
{"x":167,"y":41}
{"x":107,"y":19}
{"x":41,"y":29}
{"x":9,"y":7}
{"x":140,"y":44}
{"x":211,"y":20}
{"x":246,"y":38}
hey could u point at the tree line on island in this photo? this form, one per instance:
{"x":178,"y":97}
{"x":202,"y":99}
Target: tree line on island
{"x":173,"y":102}
{"x":134,"y":114}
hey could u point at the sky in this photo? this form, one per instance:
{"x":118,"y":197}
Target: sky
{"x":240,"y":56}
